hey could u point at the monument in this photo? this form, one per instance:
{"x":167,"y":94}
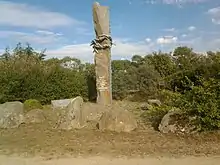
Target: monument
{"x":102,"y":50}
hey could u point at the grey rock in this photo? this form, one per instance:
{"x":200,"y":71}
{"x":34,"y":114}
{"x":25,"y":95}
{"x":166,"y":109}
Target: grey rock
{"x":93,"y":112}
{"x":11,"y":114}
{"x":72,"y":116}
{"x":154,"y":102}
{"x":146,"y":107}
{"x":118,"y":120}
{"x":60,"y":104}
{"x":176,"y":122}
{"x":92,"y":116}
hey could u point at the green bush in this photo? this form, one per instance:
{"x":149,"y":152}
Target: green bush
{"x":23,"y":75}
{"x":32,"y":104}
{"x":203,"y":103}
{"x":168,"y":97}
{"x":155,"y":115}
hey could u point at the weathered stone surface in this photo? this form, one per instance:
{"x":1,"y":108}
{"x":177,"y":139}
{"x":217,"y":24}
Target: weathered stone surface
{"x":35,"y":116}
{"x":118,"y":120}
{"x":93,"y":112}
{"x":93,"y":116}
{"x":60,"y":104}
{"x":102,"y":54}
{"x":175,"y":122}
{"x":72,"y":116}
{"x":11,"y":114}
{"x":78,"y":115}
{"x":154,"y":102}
{"x":146,"y":106}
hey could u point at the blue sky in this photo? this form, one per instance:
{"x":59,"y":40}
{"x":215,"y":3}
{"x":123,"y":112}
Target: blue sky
{"x":137,"y":26}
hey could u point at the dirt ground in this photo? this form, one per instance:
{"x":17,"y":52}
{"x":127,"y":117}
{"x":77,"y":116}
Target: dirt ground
{"x":41,"y":140}
{"x":4,"y":160}
{"x":38,"y":140}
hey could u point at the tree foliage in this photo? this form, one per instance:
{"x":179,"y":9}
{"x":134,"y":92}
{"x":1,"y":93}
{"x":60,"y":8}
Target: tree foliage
{"x":182,"y":79}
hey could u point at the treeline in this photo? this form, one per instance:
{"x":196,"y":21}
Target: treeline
{"x":182,"y":79}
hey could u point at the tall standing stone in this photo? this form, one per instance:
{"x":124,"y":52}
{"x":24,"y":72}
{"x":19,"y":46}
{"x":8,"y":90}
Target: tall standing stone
{"x":102,"y":49}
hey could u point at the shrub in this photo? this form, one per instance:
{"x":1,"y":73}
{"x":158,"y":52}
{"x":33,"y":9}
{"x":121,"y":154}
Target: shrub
{"x":168,"y":97}
{"x":155,"y":115}
{"x":23,"y":77}
{"x":32,"y":104}
{"x":203,"y":103}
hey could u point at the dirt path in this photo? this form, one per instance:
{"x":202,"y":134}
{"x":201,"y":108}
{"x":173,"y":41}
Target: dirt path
{"x":4,"y":160}
{"x":38,"y":140}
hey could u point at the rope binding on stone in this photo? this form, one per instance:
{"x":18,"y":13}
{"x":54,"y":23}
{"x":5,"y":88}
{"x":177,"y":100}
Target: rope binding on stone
{"x":97,"y":43}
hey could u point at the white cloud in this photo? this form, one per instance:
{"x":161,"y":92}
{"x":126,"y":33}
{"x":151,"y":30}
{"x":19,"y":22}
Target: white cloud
{"x":40,"y":37}
{"x":191,"y":28}
{"x":81,"y":51}
{"x":24,"y":15}
{"x":167,"y":40}
{"x":215,"y":15}
{"x":83,"y":31}
{"x":190,"y":42}
{"x":169,"y":29}
{"x":148,"y":40}
{"x":184,"y":35}
{"x":130,"y":48}
{"x":45,"y":32}
{"x":123,"y":49}
{"x":201,"y":43}
{"x":151,"y":2}
{"x":175,"y":2}
{"x":183,"y":1}
{"x":216,"y":21}
{"x":213,"y":44}
{"x":2,"y":51}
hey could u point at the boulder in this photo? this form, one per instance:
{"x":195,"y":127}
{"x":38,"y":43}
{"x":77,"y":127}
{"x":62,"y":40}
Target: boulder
{"x":71,"y":117}
{"x":35,"y":116}
{"x":92,"y":114}
{"x":146,"y":106}
{"x":118,"y":120}
{"x":11,"y":114}
{"x":78,"y":115}
{"x":93,"y":111}
{"x":60,"y":104}
{"x":154,"y":102}
{"x":175,"y":122}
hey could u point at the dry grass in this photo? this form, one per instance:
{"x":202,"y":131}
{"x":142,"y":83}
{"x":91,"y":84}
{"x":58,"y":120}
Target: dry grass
{"x":43,"y":140}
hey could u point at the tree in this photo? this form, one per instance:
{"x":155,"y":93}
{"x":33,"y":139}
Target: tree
{"x":6,"y":55}
{"x":137,"y":59}
{"x":120,"y":65}
{"x":163,"y":63}
{"x":185,"y":57}
{"x":42,"y":55}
